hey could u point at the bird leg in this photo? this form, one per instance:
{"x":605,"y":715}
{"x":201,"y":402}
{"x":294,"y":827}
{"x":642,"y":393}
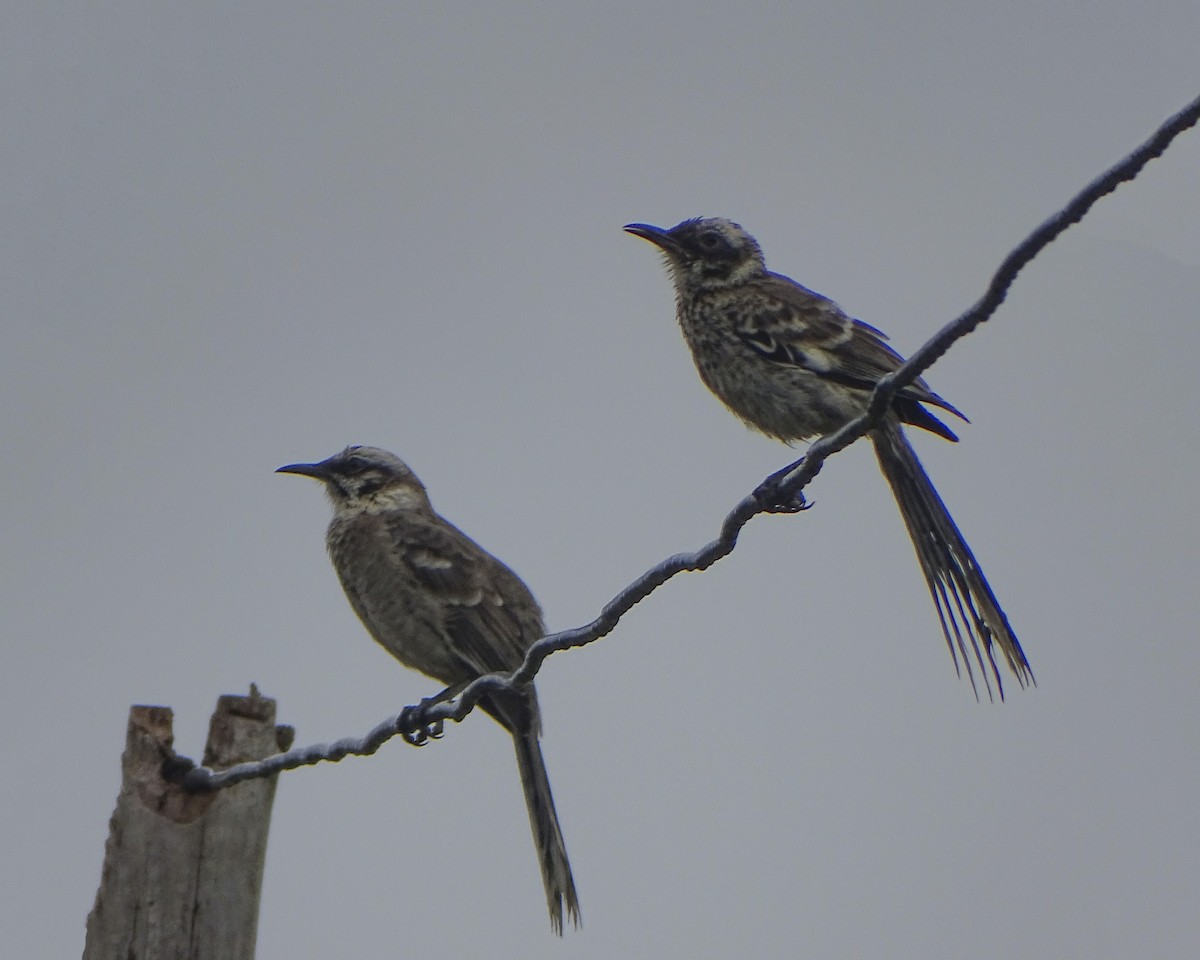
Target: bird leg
{"x":412,"y":726}
{"x":773,"y":500}
{"x":411,"y":722}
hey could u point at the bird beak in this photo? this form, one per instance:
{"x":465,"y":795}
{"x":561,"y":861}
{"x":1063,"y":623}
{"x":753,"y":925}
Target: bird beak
{"x":318,"y":471}
{"x":656,"y":235}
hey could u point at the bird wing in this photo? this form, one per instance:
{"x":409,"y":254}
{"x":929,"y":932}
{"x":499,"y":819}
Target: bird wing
{"x":488,"y":614}
{"x":804,"y":329}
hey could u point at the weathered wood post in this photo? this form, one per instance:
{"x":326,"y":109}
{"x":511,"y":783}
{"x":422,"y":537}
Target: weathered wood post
{"x":183,"y":871}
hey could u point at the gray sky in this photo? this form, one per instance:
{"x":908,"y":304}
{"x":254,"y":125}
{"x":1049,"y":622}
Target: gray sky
{"x":251,"y":234}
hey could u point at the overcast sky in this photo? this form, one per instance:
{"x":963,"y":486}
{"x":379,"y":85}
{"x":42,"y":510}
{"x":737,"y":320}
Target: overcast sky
{"x":241,"y":235}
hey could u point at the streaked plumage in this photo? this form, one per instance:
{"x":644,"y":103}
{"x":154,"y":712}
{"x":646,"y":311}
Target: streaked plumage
{"x":790,"y":363}
{"x":441,"y":604}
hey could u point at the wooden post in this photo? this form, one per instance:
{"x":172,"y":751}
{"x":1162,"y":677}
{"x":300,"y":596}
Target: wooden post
{"x":183,"y":871}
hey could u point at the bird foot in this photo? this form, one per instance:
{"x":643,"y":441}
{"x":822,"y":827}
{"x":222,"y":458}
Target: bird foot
{"x":772,"y":500}
{"x":413,"y":727}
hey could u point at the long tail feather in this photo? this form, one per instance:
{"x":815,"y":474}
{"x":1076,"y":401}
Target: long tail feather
{"x":547,"y":835}
{"x":969,"y":613}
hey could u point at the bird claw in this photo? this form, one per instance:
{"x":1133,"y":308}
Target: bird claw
{"x":771,"y":500}
{"x":770,"y":497}
{"x":413,"y":727}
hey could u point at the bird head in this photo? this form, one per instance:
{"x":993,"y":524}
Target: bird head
{"x":365,"y":478}
{"x":705,"y":253}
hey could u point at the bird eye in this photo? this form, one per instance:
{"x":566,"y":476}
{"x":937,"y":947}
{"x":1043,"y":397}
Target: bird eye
{"x":710,"y":241}
{"x":354,"y":464}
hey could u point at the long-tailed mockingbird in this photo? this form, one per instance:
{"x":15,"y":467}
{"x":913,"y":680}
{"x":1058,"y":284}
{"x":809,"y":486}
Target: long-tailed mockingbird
{"x":441,"y":604}
{"x":791,"y":363}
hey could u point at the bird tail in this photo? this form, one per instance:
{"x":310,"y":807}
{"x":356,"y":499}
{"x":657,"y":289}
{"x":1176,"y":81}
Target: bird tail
{"x":547,"y":835}
{"x":967,"y":608}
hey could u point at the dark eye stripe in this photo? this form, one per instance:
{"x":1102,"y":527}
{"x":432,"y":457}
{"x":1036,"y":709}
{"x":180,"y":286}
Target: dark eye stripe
{"x":368,"y":487}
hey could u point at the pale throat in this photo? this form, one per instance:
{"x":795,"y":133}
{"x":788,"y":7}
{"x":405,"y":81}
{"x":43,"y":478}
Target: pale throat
{"x":387,"y":500}
{"x":750,"y":268}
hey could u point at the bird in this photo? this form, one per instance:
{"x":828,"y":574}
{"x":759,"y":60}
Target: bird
{"x":441,"y":604}
{"x":792,"y":364}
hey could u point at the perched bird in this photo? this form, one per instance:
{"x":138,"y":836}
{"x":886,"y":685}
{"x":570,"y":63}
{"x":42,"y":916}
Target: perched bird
{"x":790,"y":363}
{"x":441,"y":604}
